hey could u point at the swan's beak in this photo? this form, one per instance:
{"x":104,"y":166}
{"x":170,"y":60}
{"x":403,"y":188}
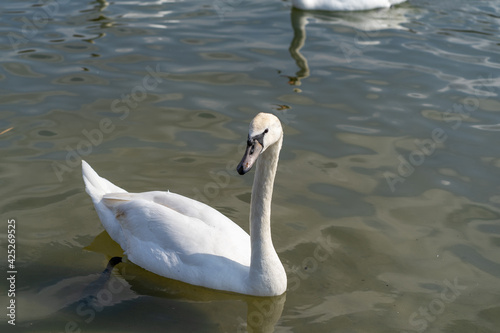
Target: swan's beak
{"x":254,"y":148}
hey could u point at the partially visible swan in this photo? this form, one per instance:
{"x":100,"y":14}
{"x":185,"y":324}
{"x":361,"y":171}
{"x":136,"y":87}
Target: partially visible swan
{"x":344,"y":4}
{"x":183,"y":239}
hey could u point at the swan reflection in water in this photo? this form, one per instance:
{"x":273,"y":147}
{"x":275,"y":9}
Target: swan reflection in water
{"x":365,"y":27}
{"x":233,"y":312}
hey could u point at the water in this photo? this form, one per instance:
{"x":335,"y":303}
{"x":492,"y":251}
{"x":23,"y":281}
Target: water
{"x":386,"y":204}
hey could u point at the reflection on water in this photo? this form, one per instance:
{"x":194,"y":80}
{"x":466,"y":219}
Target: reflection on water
{"x":386,"y":206}
{"x":262,"y":313}
{"x":366,"y":26}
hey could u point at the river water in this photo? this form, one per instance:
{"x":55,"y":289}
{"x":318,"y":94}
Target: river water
{"x":386,"y":207}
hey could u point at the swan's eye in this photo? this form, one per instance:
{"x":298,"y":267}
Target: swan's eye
{"x":267,"y":130}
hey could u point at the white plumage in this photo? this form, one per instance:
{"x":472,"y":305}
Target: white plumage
{"x":343,"y":5}
{"x":186,"y":240}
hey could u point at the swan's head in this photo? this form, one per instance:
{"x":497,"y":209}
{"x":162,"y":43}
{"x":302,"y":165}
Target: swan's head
{"x":265,"y":130}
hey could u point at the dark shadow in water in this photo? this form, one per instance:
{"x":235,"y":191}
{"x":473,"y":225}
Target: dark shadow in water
{"x":262,"y":312}
{"x":476,"y":259}
{"x":83,"y":294}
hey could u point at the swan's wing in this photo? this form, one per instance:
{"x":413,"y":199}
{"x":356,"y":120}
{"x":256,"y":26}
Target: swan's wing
{"x":175,"y":245}
{"x":185,"y":206}
{"x":175,"y":225}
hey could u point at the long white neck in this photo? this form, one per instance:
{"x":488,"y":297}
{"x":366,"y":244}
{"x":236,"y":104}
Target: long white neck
{"x":266,"y":270}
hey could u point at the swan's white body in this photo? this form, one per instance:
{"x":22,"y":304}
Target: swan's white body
{"x":186,"y":240}
{"x":339,"y":5}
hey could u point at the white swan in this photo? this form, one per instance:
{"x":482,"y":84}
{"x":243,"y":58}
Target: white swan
{"x":343,"y":4}
{"x":183,"y":239}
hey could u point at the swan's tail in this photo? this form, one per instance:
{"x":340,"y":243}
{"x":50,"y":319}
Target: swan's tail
{"x":97,"y":186}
